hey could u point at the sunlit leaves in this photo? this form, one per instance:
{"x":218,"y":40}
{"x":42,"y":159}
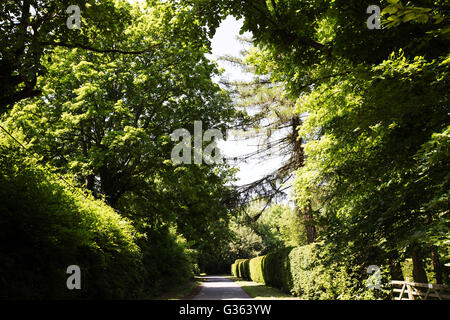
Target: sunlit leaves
{"x":397,"y":13}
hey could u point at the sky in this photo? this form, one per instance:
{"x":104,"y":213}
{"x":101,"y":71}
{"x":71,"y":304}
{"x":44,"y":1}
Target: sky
{"x":225,"y":43}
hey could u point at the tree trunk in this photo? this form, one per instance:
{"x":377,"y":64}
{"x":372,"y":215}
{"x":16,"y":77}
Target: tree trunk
{"x":436,"y":264}
{"x":299,"y":161}
{"x":419,"y":274}
{"x":395,"y":269}
{"x":109,"y":186}
{"x":310,"y":228}
{"x":89,"y":182}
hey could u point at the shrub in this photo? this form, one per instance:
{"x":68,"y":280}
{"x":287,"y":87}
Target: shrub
{"x":313,"y":279}
{"x":276,"y":269}
{"x":318,"y":274}
{"x":240,"y":269}
{"x":46,"y":226}
{"x":256,"y":269}
{"x":244,"y":269}
{"x":166,"y":258}
{"x":233,"y":270}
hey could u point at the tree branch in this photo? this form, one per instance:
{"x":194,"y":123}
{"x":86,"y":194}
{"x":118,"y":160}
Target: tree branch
{"x":86,"y":47}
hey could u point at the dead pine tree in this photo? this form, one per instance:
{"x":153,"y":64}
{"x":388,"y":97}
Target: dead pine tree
{"x":269,"y":117}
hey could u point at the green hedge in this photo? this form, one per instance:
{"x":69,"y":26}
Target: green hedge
{"x":317,"y":277}
{"x":311,"y":273}
{"x":45,"y":226}
{"x":244,"y":269}
{"x":276,"y":269}
{"x":240,"y":269}
{"x":166,"y":260}
{"x":234,"y":269}
{"x":256,"y":269}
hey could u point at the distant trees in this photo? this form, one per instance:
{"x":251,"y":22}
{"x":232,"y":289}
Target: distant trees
{"x":255,"y":233}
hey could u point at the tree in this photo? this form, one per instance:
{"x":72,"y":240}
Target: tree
{"x":32,"y":28}
{"x":270,"y":116}
{"x":107,"y":118}
{"x":374,"y":100}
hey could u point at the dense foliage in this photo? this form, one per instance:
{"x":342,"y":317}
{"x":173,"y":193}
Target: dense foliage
{"x":375,"y":120}
{"x":99,"y":104}
{"x":46,"y":225}
{"x":85,"y":146}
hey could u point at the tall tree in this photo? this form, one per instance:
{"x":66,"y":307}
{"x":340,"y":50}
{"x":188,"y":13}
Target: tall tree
{"x":31,"y":28}
{"x":272,"y":119}
{"x":377,"y":108}
{"x":107,"y":117}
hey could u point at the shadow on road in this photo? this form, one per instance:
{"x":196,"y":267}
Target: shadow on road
{"x":220,"y":288}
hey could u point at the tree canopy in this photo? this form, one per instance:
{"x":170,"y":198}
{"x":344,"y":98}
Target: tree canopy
{"x":87,"y":117}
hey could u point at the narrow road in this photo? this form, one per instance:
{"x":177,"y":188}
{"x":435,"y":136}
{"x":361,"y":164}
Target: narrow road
{"x":220,"y":288}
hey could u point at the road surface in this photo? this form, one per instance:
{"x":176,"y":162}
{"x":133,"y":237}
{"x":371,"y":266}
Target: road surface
{"x":220,"y":288}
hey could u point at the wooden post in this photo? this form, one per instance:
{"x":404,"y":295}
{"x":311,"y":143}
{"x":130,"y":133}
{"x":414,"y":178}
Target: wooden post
{"x":408,"y":286}
{"x":401,"y":292}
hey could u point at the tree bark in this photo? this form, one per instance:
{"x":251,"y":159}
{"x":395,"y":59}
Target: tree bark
{"x":419,"y":274}
{"x":436,"y":264}
{"x":310,"y":228}
{"x":311,"y":232}
{"x":89,"y":183}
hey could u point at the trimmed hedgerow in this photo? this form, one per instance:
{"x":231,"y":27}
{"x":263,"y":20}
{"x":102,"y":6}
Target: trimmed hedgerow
{"x":312,"y":272}
{"x":314,"y":277}
{"x":244,"y":269}
{"x":256,"y":269}
{"x":234,"y":270}
{"x":235,"y":267}
{"x":276,"y":269}
{"x":319,"y":274}
{"x":240,"y":269}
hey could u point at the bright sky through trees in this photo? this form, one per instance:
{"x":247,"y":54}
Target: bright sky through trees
{"x":226,"y":43}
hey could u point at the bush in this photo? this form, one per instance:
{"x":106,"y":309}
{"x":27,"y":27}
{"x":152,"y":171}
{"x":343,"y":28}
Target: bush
{"x":167,"y":261}
{"x":256,"y":269}
{"x":318,"y":274}
{"x":46,"y":226}
{"x":276,"y":269}
{"x":313,"y":278}
{"x":234,"y":272}
{"x":244,"y":269}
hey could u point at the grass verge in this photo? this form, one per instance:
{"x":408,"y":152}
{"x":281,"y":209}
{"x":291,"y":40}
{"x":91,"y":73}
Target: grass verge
{"x":182,"y":292}
{"x":260,"y":291}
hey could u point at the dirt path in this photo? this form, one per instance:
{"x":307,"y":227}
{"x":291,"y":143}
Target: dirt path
{"x":220,"y":288}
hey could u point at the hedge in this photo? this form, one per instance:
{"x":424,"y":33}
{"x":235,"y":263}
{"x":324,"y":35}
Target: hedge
{"x":240,"y":269}
{"x":310,"y":272}
{"x":45,"y":226}
{"x":276,"y":269}
{"x":256,"y":269}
